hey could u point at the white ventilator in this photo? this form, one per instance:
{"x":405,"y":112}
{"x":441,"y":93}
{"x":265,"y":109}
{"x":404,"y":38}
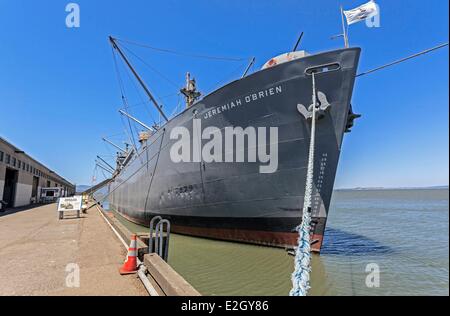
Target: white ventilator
{"x":284,"y":58}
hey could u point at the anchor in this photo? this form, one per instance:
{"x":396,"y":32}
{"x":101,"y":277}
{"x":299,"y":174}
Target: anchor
{"x":322,"y":106}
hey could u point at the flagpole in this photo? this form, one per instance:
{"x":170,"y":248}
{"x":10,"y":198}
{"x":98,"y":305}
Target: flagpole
{"x":344,"y":28}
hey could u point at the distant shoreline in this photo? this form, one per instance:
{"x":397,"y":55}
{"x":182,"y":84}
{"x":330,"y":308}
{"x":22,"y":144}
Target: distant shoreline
{"x":438,"y":187}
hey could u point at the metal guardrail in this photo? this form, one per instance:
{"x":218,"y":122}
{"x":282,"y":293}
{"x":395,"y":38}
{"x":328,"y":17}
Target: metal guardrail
{"x":158,"y":243}
{"x":162,"y":244}
{"x":150,"y":240}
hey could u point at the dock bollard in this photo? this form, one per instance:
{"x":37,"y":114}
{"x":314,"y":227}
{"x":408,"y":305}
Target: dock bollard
{"x":130,"y":265}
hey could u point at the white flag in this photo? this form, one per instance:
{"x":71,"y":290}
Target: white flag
{"x":361,"y":13}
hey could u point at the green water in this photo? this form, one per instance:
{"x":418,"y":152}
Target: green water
{"x":404,"y":232}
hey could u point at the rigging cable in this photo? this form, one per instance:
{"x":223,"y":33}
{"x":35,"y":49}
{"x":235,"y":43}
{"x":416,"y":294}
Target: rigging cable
{"x":122,"y":91}
{"x":140,"y":95}
{"x":181,"y":54}
{"x":152,"y":68}
{"x":119,"y":78}
{"x":176,"y":110}
{"x":174,"y":52}
{"x":130,"y":137}
{"x":138,"y":104}
{"x":122,"y":88}
{"x":114,"y":135}
{"x":94,"y":175}
{"x":403,"y":59}
{"x":104,"y":174}
{"x":225,"y":79}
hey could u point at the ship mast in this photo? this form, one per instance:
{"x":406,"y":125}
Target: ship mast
{"x":190,"y":91}
{"x":139,"y":79}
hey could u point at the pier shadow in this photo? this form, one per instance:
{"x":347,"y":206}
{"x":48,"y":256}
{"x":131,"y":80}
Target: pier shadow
{"x":70,"y":217}
{"x":342,"y":243}
{"x":11,"y":211}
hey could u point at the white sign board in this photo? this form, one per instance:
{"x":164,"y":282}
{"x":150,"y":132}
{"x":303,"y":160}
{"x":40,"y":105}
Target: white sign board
{"x":67,"y":204}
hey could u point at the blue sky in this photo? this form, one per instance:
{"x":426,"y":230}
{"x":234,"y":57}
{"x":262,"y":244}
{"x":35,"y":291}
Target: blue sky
{"x":59,"y":92}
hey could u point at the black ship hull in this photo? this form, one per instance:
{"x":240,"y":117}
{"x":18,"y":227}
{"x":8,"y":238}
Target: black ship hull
{"x":236,"y":200}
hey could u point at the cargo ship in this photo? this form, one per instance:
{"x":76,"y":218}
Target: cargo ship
{"x":241,"y":193}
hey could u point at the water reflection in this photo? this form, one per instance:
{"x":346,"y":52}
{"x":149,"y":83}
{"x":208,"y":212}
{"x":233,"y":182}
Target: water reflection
{"x":340,"y":242}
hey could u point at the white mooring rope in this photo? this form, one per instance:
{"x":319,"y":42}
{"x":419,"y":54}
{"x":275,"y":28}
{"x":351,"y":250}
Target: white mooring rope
{"x":300,"y":277}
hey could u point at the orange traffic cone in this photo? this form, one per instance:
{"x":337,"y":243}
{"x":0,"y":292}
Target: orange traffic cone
{"x":130,"y":265}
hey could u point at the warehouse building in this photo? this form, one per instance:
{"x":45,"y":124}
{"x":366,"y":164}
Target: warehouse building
{"x":22,"y":178}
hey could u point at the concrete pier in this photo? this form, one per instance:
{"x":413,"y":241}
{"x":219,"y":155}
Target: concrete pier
{"x":39,"y":255}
